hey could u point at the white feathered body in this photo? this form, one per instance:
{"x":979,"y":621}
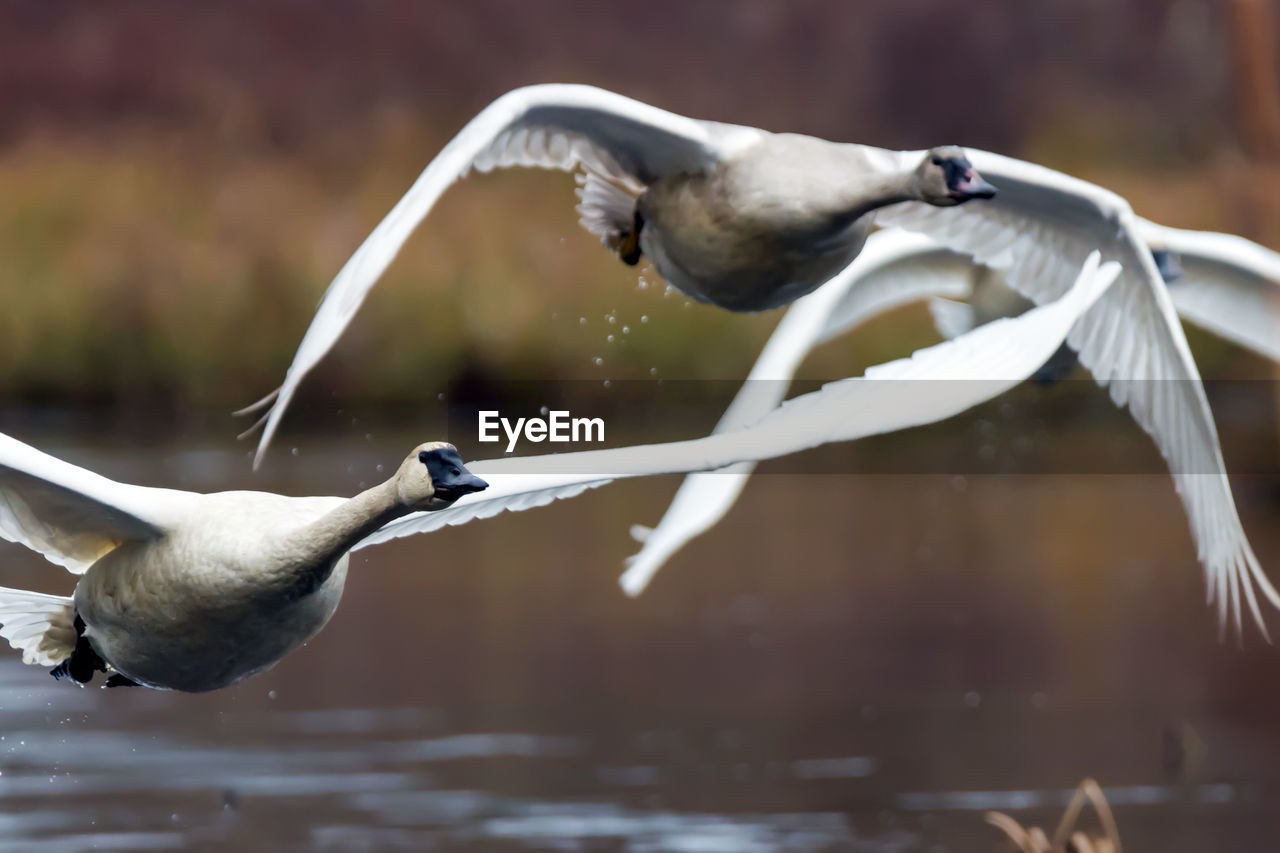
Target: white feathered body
{"x":759,"y":230}
{"x":216,"y":600}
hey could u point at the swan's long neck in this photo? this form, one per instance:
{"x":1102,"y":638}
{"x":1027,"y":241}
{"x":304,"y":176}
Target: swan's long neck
{"x":315,"y":548}
{"x":875,"y":178}
{"x":880,"y":191}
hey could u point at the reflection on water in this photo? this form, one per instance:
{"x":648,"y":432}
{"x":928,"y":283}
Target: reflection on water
{"x":847,"y":663}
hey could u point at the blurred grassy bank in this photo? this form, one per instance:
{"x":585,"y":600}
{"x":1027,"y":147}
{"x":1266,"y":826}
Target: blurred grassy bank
{"x":136,"y":269}
{"x":180,"y":185}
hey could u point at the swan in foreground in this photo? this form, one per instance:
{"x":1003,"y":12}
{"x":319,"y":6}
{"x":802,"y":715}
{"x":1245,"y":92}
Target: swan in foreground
{"x":897,"y":267}
{"x":187,"y":591}
{"x":194,"y":592}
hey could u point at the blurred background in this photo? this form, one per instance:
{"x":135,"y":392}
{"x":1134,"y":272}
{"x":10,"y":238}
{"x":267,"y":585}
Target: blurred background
{"x":846,"y":663}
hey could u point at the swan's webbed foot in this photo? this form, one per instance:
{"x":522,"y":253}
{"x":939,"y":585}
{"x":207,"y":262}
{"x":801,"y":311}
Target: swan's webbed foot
{"x":629,"y":243}
{"x":62,"y":670}
{"x":84,"y":661}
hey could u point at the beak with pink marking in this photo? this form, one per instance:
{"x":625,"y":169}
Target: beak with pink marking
{"x":963,"y":181}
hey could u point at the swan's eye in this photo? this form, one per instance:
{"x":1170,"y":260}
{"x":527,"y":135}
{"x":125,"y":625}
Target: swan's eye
{"x":455,"y":472}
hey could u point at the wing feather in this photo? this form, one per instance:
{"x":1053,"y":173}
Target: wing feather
{"x":73,"y":516}
{"x":1002,"y":354}
{"x":550,"y":126}
{"x":894,"y":268}
{"x":1130,"y":339}
{"x":38,"y":625}
{"x":1229,"y":286}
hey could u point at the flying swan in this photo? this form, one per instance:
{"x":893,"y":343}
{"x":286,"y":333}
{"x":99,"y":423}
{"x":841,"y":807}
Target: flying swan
{"x":748,"y":219}
{"x":194,"y":592}
{"x":1222,"y":283}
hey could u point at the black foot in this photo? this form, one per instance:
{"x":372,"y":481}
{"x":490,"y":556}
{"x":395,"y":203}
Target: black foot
{"x":62,"y":670}
{"x":118,"y":680}
{"x":84,"y":661}
{"x":629,"y":251}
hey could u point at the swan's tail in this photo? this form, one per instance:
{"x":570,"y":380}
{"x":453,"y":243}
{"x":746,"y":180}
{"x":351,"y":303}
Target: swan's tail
{"x":40,"y":626}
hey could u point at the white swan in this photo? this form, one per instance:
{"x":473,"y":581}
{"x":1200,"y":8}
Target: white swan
{"x":747,"y":219}
{"x":188,"y":591}
{"x":193,"y":592}
{"x":736,"y":216}
{"x":1225,"y":284}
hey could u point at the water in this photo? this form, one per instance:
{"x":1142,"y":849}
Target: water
{"x":845,"y":664}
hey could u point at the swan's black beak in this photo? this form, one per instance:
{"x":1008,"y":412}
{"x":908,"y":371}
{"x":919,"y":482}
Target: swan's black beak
{"x":963,"y":181}
{"x":450,"y":479}
{"x":450,"y":487}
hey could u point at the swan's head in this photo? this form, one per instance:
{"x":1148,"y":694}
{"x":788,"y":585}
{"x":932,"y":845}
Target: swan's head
{"x":433,"y":477}
{"x":945,"y":178}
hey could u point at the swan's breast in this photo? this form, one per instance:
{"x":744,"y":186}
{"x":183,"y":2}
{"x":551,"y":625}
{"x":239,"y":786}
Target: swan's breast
{"x":755,"y":232}
{"x":213,"y":603}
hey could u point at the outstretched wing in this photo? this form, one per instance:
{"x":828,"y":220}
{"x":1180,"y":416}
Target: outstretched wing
{"x":894,"y":268}
{"x":552,"y":126}
{"x":990,"y":360}
{"x":1229,"y":285}
{"x":73,"y":516}
{"x":1038,"y":230}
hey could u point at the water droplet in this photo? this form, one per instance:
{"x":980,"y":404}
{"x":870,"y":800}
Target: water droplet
{"x":653,"y":371}
{"x":644,"y":283}
{"x":607,"y":383}
{"x":544,"y":410}
{"x":379,"y":468}
{"x":294,"y":451}
{"x":972,"y":699}
{"x":368,"y":436}
{"x":582,"y":321}
{"x":612,"y":319}
{"x":598,"y":361}
{"x":609,"y":338}
{"x":440,"y":396}
{"x":626,"y":330}
{"x":644,"y":318}
{"x":271,"y":694}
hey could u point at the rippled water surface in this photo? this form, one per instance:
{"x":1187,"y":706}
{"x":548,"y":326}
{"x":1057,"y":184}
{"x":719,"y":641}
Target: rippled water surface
{"x":862,"y":663}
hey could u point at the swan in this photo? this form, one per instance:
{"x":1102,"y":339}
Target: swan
{"x":1220,"y":282}
{"x":730,"y":215}
{"x":749,"y":219}
{"x":194,"y":592}
{"x":188,"y":591}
